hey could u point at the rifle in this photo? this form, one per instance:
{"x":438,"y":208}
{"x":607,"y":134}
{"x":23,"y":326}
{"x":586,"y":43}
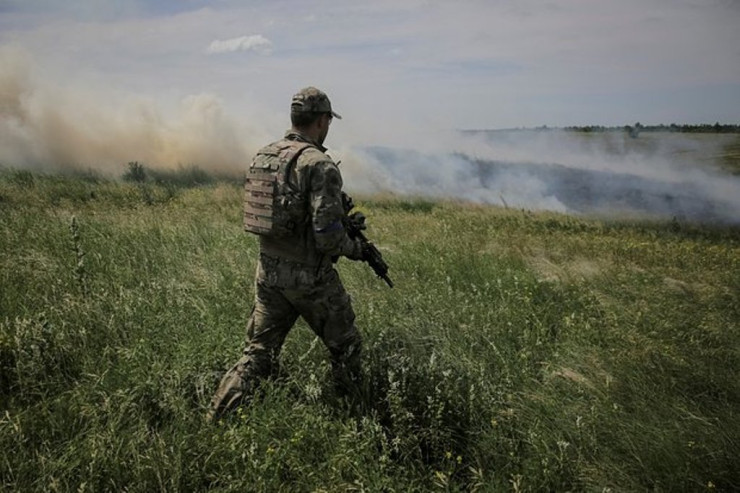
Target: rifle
{"x":354,"y":224}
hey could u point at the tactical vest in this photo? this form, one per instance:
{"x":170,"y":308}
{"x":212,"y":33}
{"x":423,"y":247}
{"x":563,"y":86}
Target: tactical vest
{"x":273,"y":206}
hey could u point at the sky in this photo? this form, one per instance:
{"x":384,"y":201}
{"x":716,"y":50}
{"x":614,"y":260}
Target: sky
{"x":445,"y":64}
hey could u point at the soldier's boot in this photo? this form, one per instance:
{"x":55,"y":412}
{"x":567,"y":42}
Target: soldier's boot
{"x":347,"y":374}
{"x":235,"y":389}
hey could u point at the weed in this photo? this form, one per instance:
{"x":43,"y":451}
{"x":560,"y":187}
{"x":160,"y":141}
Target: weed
{"x":79,"y":269}
{"x":135,"y":173}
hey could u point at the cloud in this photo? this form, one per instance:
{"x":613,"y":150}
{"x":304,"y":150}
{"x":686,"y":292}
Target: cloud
{"x":255,"y":42}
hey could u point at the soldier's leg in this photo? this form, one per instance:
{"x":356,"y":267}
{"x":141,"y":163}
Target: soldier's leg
{"x":272,"y":318}
{"x":328,"y":311}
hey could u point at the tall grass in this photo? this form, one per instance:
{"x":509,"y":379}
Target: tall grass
{"x":518,"y":351}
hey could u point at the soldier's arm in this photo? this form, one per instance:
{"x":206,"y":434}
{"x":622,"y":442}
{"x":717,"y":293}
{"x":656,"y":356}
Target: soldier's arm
{"x":327,"y":212}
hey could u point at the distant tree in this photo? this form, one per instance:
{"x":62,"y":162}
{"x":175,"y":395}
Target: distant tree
{"x":634,"y":132}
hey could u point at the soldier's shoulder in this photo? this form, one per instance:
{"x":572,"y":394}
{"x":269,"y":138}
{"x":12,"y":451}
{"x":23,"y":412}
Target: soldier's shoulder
{"x":312,"y":155}
{"x":271,"y":148}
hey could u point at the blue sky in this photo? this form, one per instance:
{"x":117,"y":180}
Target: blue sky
{"x":394,"y":64}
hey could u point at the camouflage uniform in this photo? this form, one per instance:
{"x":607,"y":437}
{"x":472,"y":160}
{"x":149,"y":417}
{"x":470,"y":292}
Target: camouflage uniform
{"x":295,"y":277}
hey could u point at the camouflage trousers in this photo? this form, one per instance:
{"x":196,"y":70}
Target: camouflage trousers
{"x":285,"y":291}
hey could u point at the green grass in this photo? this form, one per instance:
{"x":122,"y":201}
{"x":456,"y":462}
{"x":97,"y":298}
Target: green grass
{"x":518,"y":351}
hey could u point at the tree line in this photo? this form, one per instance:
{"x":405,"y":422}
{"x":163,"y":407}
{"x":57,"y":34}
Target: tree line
{"x":637,"y":128}
{"x":632,"y":130}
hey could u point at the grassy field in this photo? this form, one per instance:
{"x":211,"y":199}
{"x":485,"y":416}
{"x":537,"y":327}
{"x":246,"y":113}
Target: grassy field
{"x":518,"y":351}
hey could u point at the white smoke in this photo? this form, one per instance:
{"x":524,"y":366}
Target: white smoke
{"x":662,"y":174}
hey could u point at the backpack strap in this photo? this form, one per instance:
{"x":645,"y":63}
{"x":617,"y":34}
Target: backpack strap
{"x":291,"y":154}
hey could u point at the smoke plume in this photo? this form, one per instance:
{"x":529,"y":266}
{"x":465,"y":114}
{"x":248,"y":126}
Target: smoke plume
{"x":661,"y":175}
{"x":45,"y":125}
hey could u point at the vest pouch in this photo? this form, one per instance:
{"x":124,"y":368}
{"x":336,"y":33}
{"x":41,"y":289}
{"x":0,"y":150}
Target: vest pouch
{"x":272,"y":206}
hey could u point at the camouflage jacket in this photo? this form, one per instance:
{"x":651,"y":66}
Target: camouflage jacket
{"x":322,"y":235}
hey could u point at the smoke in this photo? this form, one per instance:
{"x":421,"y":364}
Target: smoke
{"x":44,"y":125}
{"x":659,"y":175}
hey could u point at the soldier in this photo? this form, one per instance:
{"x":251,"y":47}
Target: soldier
{"x":293,"y":202}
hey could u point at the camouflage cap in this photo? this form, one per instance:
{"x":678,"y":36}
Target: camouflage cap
{"x":311,"y":100}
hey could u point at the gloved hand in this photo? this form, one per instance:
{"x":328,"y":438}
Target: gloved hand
{"x":356,"y":252}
